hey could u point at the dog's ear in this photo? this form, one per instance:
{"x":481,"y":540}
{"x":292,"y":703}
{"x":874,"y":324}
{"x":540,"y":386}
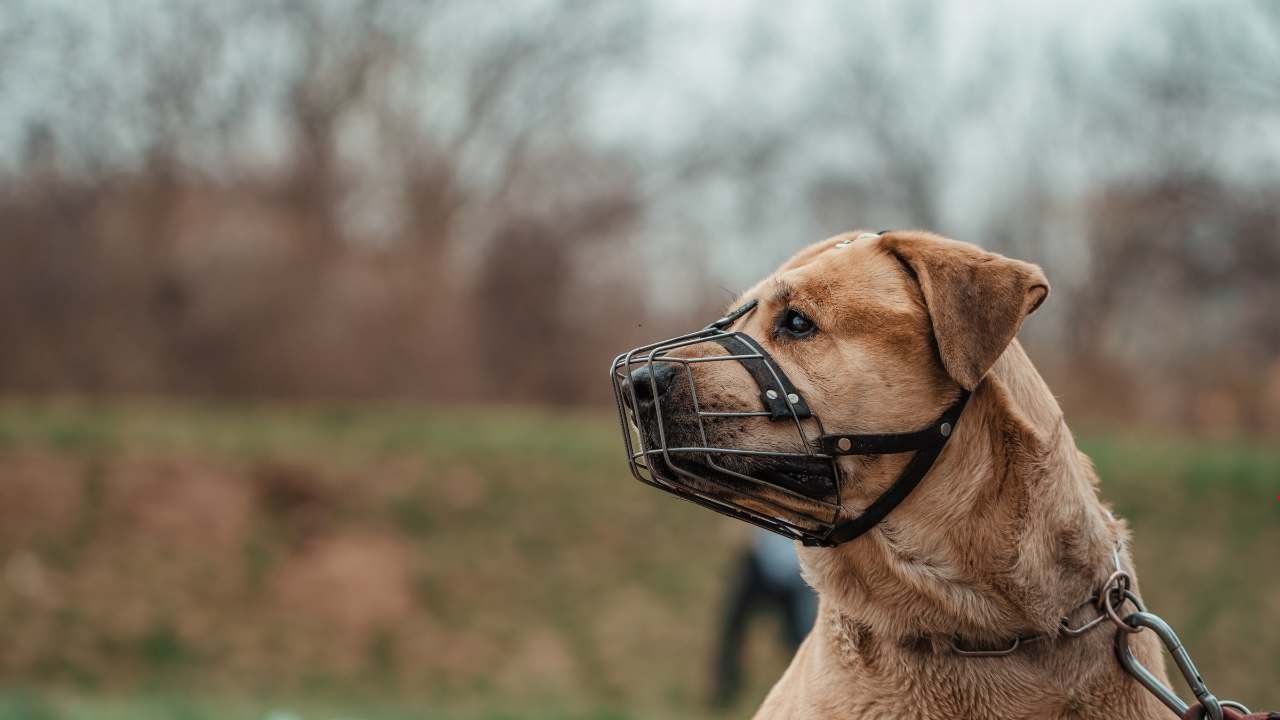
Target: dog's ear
{"x":976,"y":299}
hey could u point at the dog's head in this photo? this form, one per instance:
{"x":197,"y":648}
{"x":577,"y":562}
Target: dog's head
{"x":878,"y":334}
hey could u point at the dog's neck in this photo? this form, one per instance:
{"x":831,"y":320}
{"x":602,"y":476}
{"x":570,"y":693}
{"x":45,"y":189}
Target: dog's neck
{"x":1004,"y":537}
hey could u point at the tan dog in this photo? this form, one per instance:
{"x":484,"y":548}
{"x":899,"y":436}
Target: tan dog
{"x":1003,"y":538}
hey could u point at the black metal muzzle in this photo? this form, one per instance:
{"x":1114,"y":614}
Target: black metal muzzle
{"x":794,"y":492}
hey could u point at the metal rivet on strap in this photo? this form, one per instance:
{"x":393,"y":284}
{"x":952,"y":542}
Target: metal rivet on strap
{"x":945,"y":429}
{"x":793,"y":398}
{"x":844,"y":444}
{"x":849,"y":241}
{"x":771,"y":394}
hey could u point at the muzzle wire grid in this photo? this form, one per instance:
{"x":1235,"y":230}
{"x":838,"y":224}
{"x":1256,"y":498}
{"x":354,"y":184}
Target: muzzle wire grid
{"x":807,"y":507}
{"x":656,"y":462}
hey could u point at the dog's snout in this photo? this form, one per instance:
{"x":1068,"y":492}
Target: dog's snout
{"x":652,"y":381}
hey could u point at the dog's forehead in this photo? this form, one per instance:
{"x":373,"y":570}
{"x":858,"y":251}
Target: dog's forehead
{"x":847,"y":268}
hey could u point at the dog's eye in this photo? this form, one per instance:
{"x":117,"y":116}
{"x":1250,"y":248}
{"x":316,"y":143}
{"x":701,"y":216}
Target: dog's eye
{"x":793,"y":322}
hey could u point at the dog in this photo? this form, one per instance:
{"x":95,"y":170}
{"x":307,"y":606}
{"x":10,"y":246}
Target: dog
{"x":1003,"y":542}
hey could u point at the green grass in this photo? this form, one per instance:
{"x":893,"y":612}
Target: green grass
{"x":193,"y":561}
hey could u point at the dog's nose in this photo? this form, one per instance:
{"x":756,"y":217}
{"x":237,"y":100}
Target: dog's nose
{"x":650,"y":378}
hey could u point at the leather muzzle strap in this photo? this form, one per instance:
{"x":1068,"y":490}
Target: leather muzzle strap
{"x":777,"y":393}
{"x":933,"y":436}
{"x":926,"y":443}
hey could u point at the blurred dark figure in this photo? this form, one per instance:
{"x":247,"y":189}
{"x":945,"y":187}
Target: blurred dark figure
{"x":767,"y":579}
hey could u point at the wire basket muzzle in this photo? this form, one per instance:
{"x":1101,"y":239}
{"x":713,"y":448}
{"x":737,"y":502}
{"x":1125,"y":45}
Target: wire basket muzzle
{"x":774,"y":476}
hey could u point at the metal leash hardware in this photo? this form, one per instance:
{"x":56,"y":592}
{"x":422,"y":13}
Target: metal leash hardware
{"x":1115,"y":593}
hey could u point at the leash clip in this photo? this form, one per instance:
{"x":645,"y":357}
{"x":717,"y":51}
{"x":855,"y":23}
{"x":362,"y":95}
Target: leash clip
{"x":1210,"y":706}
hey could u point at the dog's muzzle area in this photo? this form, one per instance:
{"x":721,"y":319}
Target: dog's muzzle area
{"x":767,"y":459}
{"x":754,"y":459}
{"x":668,"y":388}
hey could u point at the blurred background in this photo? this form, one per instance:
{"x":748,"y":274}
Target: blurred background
{"x":305,"y":309}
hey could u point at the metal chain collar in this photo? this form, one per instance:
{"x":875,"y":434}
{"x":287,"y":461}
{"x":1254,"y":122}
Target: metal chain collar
{"x":1110,"y":600}
{"x":1098,"y":600}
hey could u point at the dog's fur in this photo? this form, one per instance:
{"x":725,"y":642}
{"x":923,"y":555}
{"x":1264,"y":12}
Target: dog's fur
{"x":1004,"y":536}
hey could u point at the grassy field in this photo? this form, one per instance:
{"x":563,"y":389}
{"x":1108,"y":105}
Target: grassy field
{"x":291,"y":563}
